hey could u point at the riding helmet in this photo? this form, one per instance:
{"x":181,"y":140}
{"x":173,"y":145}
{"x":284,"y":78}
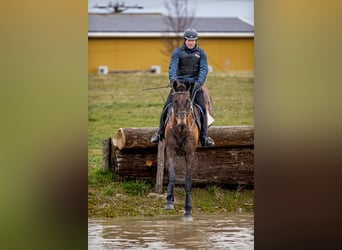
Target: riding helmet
{"x":190,"y":34}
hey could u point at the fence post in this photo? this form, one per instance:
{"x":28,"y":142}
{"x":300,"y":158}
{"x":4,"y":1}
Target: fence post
{"x":106,"y":154}
{"x":160,"y":167}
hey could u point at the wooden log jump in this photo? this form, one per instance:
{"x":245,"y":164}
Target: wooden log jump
{"x":229,"y":162}
{"x":129,"y":138}
{"x":224,"y":136}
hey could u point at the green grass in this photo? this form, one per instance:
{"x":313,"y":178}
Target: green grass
{"x":118,"y":100}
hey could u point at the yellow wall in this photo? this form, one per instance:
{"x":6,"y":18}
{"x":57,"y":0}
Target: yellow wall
{"x":142,"y":53}
{"x":233,"y":54}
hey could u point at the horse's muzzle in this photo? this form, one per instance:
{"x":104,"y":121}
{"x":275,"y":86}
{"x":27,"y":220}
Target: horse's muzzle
{"x":181,"y":127}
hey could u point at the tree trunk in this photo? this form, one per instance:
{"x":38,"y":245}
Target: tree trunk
{"x":135,"y":138}
{"x":230,"y":166}
{"x":224,"y":136}
{"x":230,"y":136}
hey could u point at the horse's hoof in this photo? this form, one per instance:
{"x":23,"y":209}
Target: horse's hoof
{"x":188,"y":217}
{"x":169,"y":207}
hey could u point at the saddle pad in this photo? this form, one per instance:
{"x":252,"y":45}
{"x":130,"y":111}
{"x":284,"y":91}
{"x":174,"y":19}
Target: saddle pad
{"x":210,"y":119}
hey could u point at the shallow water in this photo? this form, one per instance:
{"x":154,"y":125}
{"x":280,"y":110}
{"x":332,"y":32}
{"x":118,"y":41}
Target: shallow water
{"x":229,"y":231}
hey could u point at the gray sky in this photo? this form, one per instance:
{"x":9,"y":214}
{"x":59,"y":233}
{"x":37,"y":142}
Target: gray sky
{"x":200,"y":8}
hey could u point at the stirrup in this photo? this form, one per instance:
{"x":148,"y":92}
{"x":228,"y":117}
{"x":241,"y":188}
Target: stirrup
{"x":207,"y":142}
{"x":156,"y":138}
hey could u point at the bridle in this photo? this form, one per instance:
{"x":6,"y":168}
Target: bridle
{"x":183,"y":112}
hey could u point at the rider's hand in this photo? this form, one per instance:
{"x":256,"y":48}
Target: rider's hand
{"x":197,"y":86}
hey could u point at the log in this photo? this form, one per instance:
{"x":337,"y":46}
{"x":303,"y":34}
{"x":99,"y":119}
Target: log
{"x":135,"y":138}
{"x":230,"y":162}
{"x":231,"y":166}
{"x":135,"y":164}
{"x":232,"y":136}
{"x":224,"y":136}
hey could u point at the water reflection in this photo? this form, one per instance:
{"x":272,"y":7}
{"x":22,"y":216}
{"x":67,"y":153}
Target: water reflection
{"x":229,"y":231}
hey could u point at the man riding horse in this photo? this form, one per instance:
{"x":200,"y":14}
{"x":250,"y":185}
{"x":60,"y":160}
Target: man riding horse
{"x":189,"y":64}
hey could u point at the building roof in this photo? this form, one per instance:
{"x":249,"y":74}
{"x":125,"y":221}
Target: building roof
{"x":135,"y":25}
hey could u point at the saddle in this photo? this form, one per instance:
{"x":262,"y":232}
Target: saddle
{"x":199,"y":113}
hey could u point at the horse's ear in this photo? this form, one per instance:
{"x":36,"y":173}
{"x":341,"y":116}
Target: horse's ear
{"x":187,"y":85}
{"x":174,"y":84}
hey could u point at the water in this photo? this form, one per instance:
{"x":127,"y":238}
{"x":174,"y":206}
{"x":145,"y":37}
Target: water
{"x":229,"y":231}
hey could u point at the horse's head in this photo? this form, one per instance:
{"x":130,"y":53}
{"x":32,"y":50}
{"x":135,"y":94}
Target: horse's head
{"x":181,"y":104}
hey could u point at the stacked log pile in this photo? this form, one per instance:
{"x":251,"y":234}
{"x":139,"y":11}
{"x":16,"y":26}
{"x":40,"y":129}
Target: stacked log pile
{"x":229,"y":162}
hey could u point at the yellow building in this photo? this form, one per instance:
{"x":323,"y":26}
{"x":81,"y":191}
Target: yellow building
{"x":129,"y":42}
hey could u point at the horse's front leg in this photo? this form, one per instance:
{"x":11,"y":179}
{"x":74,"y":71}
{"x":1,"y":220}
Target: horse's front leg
{"x":172,"y":178}
{"x":189,"y":158}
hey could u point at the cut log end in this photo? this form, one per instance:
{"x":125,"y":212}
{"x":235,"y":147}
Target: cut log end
{"x":120,"y":139}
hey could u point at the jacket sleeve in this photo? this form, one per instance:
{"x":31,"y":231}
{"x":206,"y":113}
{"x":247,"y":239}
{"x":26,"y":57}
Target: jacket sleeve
{"x":203,"y":71}
{"x":174,"y":65}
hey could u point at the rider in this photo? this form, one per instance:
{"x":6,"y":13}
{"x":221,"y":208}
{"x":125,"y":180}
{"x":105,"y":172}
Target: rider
{"x":188,"y":63}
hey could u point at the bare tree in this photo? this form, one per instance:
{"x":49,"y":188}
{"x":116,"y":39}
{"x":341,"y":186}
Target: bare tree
{"x":177,"y":20}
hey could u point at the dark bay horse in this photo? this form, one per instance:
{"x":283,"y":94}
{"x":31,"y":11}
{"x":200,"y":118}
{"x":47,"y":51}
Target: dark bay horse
{"x":181,"y":136}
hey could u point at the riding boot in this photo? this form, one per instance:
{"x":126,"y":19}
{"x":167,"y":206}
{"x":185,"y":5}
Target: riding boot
{"x":204,"y":138}
{"x":160,"y":134}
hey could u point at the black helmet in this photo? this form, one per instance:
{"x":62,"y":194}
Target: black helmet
{"x":190,"y":34}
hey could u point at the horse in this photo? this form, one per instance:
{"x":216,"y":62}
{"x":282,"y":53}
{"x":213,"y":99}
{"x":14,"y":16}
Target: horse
{"x":181,"y":137}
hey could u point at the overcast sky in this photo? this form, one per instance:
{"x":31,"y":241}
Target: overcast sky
{"x":200,"y":8}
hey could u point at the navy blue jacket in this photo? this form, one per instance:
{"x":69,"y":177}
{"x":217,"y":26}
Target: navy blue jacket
{"x":192,"y":75}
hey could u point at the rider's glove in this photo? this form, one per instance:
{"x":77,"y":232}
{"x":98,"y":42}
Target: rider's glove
{"x":197,"y":85}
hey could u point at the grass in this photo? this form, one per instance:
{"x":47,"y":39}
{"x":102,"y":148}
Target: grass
{"x":118,"y":100}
